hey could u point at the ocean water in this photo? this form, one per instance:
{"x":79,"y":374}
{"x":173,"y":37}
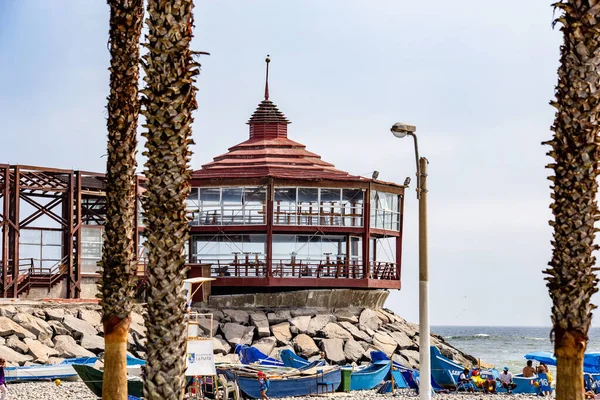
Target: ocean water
{"x":505,"y":345}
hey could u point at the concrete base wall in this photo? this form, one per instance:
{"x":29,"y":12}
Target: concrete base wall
{"x":310,"y":298}
{"x":58,"y":291}
{"x":89,"y":288}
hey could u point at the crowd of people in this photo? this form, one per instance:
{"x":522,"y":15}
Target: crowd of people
{"x":471,"y":380}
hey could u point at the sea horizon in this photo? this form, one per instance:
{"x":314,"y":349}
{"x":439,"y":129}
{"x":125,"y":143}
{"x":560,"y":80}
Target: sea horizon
{"x":505,"y":345}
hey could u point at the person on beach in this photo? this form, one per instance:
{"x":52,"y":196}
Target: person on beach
{"x":3,"y":388}
{"x":263,"y":383}
{"x":506,"y":380}
{"x":489,"y":385}
{"x":464,"y":382}
{"x":528,"y":370}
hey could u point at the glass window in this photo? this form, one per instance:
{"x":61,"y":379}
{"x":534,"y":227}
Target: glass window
{"x":385,"y":210}
{"x":318,"y":206}
{"x":284,"y":209}
{"x":233,"y":213}
{"x":229,"y":206}
{"x":255,"y":205}
{"x":210,"y":200}
{"x":91,"y":249}
{"x":193,"y":206}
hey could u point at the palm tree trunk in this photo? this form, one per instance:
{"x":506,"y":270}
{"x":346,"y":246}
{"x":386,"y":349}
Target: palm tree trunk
{"x":169,"y":99}
{"x":575,"y":150}
{"x":119,"y":254}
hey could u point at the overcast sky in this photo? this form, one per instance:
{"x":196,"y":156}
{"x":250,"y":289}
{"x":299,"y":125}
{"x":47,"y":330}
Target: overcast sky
{"x":474,"y":76}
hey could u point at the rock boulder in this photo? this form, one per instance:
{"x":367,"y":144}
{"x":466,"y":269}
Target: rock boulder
{"x":369,"y":321}
{"x":78,"y":327}
{"x":299,"y":324}
{"x":238,"y":334}
{"x":66,"y":347}
{"x":261,"y":323}
{"x":266,"y":345}
{"x":353,"y":351}
{"x":282,"y":332}
{"x":334,"y":331}
{"x":237,"y":316}
{"x":317,"y":323}
{"x":334,"y":350}
{"x":8,"y":327}
{"x":305,"y":346}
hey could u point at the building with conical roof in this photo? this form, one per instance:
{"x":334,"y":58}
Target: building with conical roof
{"x":271,"y":215}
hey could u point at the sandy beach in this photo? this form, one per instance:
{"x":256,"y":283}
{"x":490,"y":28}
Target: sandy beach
{"x":78,"y":391}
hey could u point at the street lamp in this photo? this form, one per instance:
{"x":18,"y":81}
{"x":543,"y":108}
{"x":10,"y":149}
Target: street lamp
{"x":401,"y":130}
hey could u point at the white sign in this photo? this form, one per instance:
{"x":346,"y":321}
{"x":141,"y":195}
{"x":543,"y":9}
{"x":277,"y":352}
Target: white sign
{"x":200,"y":359}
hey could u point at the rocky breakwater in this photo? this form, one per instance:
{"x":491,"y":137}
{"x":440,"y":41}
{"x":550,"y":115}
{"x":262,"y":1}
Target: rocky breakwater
{"x":45,"y":333}
{"x":346,"y":335}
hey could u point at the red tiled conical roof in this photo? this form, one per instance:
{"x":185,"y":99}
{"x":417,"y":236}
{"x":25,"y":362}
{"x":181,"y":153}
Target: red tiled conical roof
{"x":269,"y":152}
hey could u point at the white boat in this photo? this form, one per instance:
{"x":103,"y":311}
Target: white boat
{"x":63,"y":371}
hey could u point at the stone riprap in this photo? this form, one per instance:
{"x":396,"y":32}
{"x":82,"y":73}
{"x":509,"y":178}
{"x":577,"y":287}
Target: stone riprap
{"x":49,"y":332}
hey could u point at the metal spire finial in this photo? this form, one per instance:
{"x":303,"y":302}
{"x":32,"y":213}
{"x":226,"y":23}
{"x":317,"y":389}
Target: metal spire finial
{"x":267,"y":60}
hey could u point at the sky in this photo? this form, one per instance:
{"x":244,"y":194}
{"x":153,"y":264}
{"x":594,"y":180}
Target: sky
{"x":474,"y":76}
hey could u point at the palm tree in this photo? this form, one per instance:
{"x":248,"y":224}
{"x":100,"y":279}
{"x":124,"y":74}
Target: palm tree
{"x":575,"y":146}
{"x":119,"y":255}
{"x":169,"y":99}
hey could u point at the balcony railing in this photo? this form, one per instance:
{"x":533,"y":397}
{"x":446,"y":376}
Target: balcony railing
{"x":256,"y":267}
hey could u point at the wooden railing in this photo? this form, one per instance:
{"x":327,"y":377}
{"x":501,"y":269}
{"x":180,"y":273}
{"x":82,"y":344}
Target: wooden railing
{"x":286,"y":268}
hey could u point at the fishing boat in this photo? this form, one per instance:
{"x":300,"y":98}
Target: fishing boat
{"x":444,"y":371}
{"x":62,"y":371}
{"x":369,"y":377}
{"x":92,"y":377}
{"x":287,"y":382}
{"x":364,"y":378}
{"x":251,"y":355}
{"x":292,"y":360}
{"x":525,"y":385}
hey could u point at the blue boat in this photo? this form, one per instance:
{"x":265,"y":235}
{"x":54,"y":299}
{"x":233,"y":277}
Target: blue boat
{"x":303,"y":384}
{"x":444,"y":371}
{"x":63,"y":371}
{"x":411,"y":376}
{"x":292,"y":360}
{"x":591,"y":361}
{"x":525,"y":385}
{"x":361,"y":379}
{"x":369,"y":377}
{"x":251,"y":355}
{"x":399,"y":383}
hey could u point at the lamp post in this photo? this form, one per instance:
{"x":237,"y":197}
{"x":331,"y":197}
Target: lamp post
{"x":401,"y":130}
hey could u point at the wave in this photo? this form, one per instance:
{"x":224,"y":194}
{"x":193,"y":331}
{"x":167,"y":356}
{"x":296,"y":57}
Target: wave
{"x":468,"y":337}
{"x":486,"y":336}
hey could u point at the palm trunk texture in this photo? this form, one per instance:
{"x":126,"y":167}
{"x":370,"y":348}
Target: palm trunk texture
{"x":571,"y":274}
{"x":169,"y":99}
{"x":117,"y":285}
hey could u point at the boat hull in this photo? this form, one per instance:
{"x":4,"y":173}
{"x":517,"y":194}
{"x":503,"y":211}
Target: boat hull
{"x":93,"y":377}
{"x":63,"y":371}
{"x":444,"y":372}
{"x":288,"y":387}
{"x":369,"y":377}
{"x":525,"y":385}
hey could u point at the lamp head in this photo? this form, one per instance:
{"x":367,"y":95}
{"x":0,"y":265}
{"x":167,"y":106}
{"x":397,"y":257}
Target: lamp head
{"x":375,"y":174}
{"x":407,"y":181}
{"x":401,"y":130}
